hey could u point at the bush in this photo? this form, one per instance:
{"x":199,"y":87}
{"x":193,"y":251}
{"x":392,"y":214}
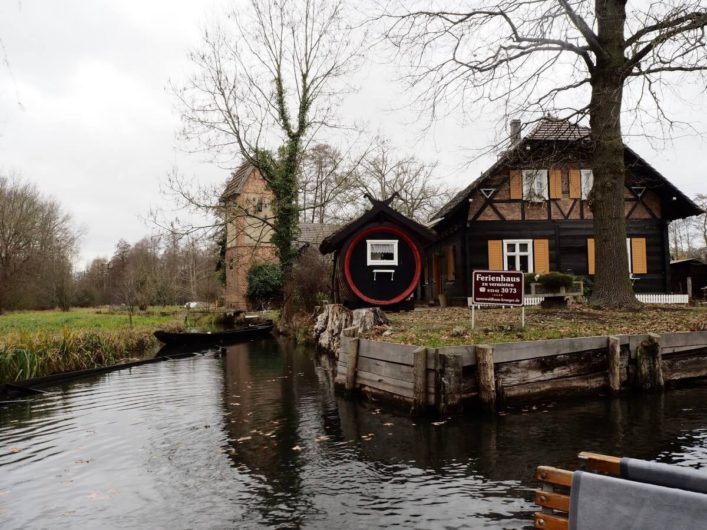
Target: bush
{"x":554,"y":281}
{"x":587,"y":284}
{"x":264,"y":283}
{"x":311,"y":277}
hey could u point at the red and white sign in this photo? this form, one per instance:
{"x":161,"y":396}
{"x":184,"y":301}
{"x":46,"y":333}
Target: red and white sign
{"x":497,"y":288}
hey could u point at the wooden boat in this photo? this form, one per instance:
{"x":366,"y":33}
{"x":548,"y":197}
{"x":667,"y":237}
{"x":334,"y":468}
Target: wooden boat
{"x":227,"y":336}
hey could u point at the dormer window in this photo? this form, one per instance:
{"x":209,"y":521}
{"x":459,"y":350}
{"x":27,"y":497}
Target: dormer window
{"x":382,"y":252}
{"x":535,"y":187}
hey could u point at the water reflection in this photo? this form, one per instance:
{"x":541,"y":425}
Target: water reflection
{"x":258,"y":438}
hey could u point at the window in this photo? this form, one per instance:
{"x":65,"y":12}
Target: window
{"x":518,"y":255}
{"x":535,"y":184}
{"x":587,"y":182}
{"x":382,"y":251}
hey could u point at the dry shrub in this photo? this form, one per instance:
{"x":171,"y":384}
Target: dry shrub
{"x":310,"y":281}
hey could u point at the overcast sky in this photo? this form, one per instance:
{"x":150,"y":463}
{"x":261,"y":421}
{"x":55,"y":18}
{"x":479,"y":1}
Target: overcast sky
{"x":85,"y":112}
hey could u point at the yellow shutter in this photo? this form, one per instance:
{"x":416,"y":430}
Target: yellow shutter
{"x":516,"y":184}
{"x":575,"y":184}
{"x":450,"y":263}
{"x":555,"y":183}
{"x":590,"y":256}
{"x":495,"y":255}
{"x":639,"y":263}
{"x":541,"y":256}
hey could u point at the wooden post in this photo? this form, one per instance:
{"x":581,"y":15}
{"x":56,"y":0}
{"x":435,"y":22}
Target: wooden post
{"x":658,"y":380}
{"x":448,"y":382}
{"x":351,"y":358}
{"x":419,"y":396}
{"x":688,"y":287}
{"x":649,"y":365}
{"x":485,"y":377}
{"x":614,"y":363}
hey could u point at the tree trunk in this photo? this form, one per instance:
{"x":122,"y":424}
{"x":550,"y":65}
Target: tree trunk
{"x":612,"y":285}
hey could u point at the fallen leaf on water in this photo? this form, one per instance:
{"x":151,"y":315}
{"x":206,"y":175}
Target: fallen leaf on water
{"x":438,"y":423}
{"x":322,"y":438}
{"x":243,"y":439}
{"x":95,"y":496}
{"x":388,"y":424}
{"x":235,"y":404}
{"x":296,"y":448}
{"x":14,"y":450}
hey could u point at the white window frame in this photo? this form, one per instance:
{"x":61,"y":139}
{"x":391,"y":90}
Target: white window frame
{"x":630,"y":257}
{"x":371,"y":261}
{"x":586,"y":174}
{"x":535,"y":176}
{"x":531,"y":261}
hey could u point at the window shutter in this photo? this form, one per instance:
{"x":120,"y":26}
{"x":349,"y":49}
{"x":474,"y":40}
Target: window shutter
{"x":450,"y":264}
{"x":638,"y":255}
{"x":555,"y":183}
{"x":516,"y":184}
{"x":541,"y":256}
{"x":575,"y":184}
{"x":495,"y":255}
{"x":590,"y":256}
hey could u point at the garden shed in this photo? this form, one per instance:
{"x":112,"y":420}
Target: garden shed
{"x":378,"y":258}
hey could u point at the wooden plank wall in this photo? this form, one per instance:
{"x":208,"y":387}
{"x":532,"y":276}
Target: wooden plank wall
{"x":527,"y":370}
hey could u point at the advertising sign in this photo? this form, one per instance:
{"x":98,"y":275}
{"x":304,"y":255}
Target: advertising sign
{"x":498,"y":288}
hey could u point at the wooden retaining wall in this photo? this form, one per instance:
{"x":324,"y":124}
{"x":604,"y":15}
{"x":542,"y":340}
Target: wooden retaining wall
{"x":444,"y":378}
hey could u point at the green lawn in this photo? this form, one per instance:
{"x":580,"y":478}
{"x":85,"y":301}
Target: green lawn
{"x":87,"y":319}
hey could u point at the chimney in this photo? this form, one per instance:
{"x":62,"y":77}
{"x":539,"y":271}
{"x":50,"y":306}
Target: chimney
{"x":515,"y":131}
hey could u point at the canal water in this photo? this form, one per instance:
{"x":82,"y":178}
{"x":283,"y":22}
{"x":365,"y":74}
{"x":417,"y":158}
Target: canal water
{"x":258,"y":438}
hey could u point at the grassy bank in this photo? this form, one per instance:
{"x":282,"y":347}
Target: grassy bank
{"x":39,"y":343}
{"x":452,"y":326}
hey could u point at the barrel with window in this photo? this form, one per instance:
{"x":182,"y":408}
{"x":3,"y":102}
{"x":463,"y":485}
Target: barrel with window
{"x":382,"y":265}
{"x":378,"y":258}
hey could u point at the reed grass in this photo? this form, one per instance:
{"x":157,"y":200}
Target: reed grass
{"x":25,"y":355}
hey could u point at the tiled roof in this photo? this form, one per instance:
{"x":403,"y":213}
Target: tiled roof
{"x":547,"y":129}
{"x":556,"y":130}
{"x":314,"y":233}
{"x":552,"y":130}
{"x":238,"y":178}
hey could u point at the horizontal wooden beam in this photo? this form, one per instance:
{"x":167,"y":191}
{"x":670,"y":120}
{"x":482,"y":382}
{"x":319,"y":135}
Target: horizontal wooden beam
{"x":601,"y":463}
{"x":554,"y":476}
{"x":547,"y":521}
{"x":555,"y":501}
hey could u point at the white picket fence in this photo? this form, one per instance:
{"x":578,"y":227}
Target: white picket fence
{"x":659,"y":298}
{"x":646,"y":298}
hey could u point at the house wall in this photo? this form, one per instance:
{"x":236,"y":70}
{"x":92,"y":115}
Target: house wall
{"x":564,"y":221}
{"x":247,"y":237}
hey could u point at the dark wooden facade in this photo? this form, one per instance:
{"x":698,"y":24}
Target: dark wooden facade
{"x":681,"y":270}
{"x":486,"y":225}
{"x":378,"y":258}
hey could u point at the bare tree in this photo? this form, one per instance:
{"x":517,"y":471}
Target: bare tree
{"x":37,"y":242}
{"x":325,"y":185}
{"x":264,"y":86}
{"x":382,"y":173}
{"x":534,"y":56}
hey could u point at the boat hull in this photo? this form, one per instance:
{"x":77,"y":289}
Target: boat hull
{"x":214,"y":338}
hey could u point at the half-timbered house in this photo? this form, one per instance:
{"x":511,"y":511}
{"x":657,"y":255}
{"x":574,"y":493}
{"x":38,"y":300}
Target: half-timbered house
{"x":530,"y":211}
